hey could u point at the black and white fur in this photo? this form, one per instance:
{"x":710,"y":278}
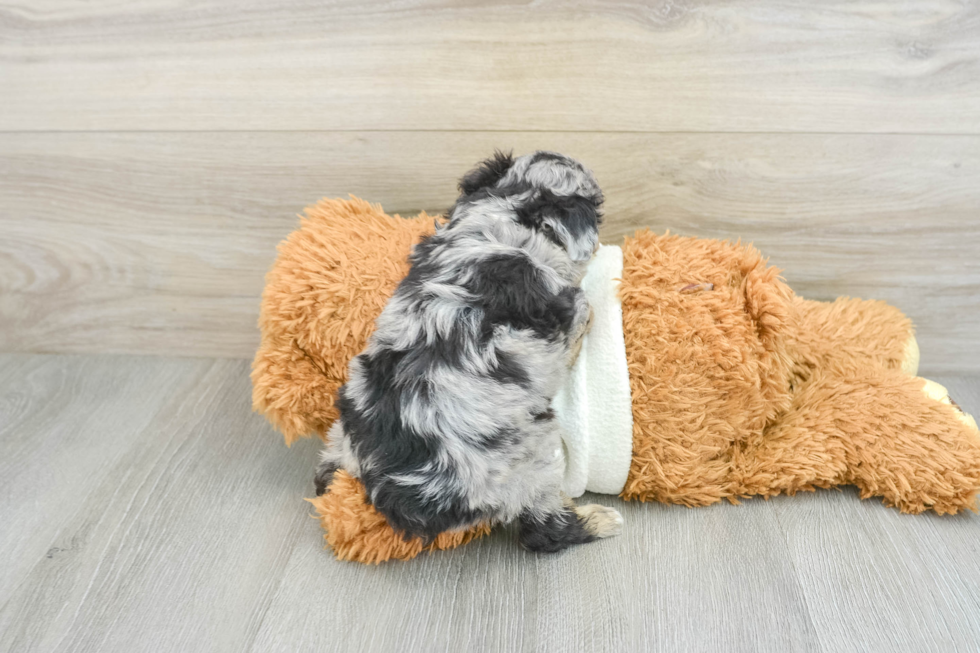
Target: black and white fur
{"x":446,"y":417}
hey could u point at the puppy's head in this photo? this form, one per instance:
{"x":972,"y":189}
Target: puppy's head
{"x":549,"y":192}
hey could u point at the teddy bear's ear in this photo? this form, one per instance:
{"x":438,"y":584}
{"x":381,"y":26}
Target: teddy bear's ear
{"x":487,"y":173}
{"x":767,"y":301}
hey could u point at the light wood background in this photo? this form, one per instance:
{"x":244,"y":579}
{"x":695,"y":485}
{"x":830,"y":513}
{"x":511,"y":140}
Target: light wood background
{"x":152,"y":153}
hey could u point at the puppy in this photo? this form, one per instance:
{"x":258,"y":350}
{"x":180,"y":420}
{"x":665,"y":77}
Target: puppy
{"x":446,"y":417}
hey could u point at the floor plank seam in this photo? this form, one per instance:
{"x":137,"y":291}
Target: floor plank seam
{"x":295,"y":539}
{"x":796,"y":574}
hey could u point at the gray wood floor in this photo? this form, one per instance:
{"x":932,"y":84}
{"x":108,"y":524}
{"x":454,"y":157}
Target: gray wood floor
{"x":145,"y":508}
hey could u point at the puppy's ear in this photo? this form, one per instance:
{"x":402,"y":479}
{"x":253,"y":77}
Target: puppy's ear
{"x":487,"y":173}
{"x":581,"y":218}
{"x":584,"y":213}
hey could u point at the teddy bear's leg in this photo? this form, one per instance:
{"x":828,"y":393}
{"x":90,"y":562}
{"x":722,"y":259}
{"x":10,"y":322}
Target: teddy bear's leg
{"x":941,"y":394}
{"x":880,"y":431}
{"x":851,"y":333}
{"x":928,"y":453}
{"x":799,"y":451}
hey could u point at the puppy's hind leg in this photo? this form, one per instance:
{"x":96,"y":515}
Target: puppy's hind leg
{"x":548,"y":532}
{"x":337,"y":454}
{"x":324,"y":476}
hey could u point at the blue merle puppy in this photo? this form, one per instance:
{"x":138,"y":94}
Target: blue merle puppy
{"x":446,"y":417}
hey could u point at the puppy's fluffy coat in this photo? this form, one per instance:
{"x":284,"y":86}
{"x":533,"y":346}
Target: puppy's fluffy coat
{"x":446,"y":417}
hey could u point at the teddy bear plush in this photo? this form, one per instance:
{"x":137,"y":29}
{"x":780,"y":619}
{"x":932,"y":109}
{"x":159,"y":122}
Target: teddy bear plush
{"x":704,"y":378}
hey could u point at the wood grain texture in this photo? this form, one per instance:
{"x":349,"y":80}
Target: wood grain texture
{"x":919,"y":572}
{"x":192,"y":534}
{"x":64,"y":423}
{"x":158,"y":243}
{"x":666,"y":65}
{"x":179,"y":540}
{"x":677,"y":579}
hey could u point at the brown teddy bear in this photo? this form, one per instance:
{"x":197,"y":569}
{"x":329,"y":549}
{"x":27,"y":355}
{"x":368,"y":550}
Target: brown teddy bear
{"x":704,"y":378}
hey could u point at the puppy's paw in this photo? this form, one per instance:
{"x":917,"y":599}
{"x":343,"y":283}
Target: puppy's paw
{"x":324,"y":477}
{"x":583,"y":320}
{"x":600,"y":521}
{"x":577,"y":337}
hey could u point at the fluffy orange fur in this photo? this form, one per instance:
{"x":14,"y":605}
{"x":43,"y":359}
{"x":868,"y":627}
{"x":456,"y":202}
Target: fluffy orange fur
{"x":356,"y":531}
{"x":330,"y":281}
{"x":746,"y":389}
{"x":739,"y":387}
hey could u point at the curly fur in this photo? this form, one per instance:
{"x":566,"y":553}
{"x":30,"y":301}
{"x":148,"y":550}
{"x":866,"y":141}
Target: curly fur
{"x":715,"y":344}
{"x":446,"y":415}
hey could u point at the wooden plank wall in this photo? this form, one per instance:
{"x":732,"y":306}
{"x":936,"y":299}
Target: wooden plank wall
{"x":152,"y":153}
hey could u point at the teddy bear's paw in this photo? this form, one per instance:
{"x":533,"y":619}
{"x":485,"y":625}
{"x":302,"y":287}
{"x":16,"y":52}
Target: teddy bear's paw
{"x":935,"y":391}
{"x":600,"y":521}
